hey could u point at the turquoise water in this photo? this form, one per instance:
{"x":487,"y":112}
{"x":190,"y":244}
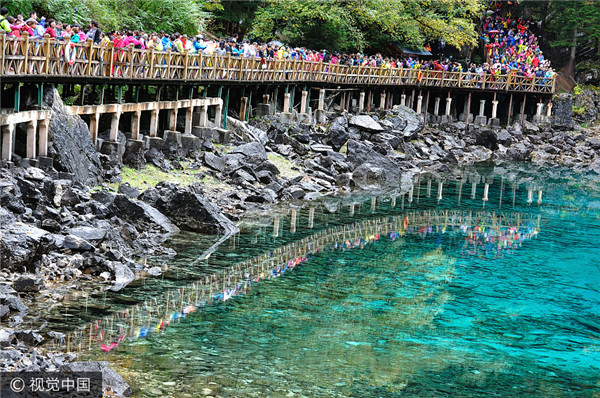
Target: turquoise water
{"x":455,"y":299}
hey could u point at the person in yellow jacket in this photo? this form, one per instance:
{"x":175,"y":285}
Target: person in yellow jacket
{"x":4,"y":24}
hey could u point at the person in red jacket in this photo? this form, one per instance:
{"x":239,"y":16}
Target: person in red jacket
{"x":51,"y":29}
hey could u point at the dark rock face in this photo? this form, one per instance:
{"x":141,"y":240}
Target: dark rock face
{"x":22,"y":246}
{"x":405,"y":120}
{"x":134,"y":154}
{"x":189,"y":210}
{"x":253,"y":150}
{"x":359,"y":154}
{"x":563,"y":110}
{"x":143,"y":216}
{"x":71,"y":145}
{"x":337,"y":134}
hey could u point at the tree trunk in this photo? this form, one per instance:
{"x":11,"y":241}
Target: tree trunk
{"x":570,"y":67}
{"x":573,"y":46}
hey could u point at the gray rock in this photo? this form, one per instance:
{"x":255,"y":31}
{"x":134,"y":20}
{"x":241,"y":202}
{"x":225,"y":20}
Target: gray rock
{"x":22,"y":246}
{"x":241,"y":176}
{"x":189,"y":210}
{"x":134,"y":154}
{"x":213,"y":161}
{"x":298,"y":147}
{"x":109,"y":377}
{"x":252,"y":150}
{"x":337,"y":135}
{"x":293,"y":193}
{"x":365,"y":123}
{"x":76,"y":243}
{"x":16,"y":304}
{"x":26,"y":284}
{"x":95,"y":235}
{"x":29,"y":337}
{"x":563,"y":110}
{"x":71,"y":145}
{"x":144,"y":217}
{"x":503,"y":136}
{"x":123,"y":276}
{"x":155,"y":271}
{"x":359,"y":154}
{"x":128,"y":190}
{"x":6,"y":338}
{"x":406,"y":120}
{"x":33,"y":173}
{"x":50,"y":225}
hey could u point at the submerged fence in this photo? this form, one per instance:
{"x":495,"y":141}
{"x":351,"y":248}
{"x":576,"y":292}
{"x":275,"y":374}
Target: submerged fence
{"x":484,"y":232}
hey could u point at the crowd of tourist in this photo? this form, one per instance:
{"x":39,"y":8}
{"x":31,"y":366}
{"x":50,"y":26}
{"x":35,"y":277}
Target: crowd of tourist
{"x":509,"y":45}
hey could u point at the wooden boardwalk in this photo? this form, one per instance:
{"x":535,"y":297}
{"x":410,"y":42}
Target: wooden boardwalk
{"x":27,"y":59}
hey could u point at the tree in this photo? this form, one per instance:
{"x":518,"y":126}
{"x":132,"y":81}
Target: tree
{"x":231,"y":17}
{"x":570,"y":24}
{"x":183,"y":16}
{"x":356,"y":25}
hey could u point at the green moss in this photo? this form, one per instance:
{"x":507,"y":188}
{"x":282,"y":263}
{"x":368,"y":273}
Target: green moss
{"x":581,"y":88}
{"x":285,"y":166}
{"x":151,"y":175}
{"x":578,"y":110}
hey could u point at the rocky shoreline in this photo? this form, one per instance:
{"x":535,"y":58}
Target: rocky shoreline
{"x":61,"y":226}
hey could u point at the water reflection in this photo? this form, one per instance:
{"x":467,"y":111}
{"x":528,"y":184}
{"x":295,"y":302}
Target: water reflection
{"x":476,"y":283}
{"x":480,"y":234}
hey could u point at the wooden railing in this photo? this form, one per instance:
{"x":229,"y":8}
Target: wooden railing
{"x":25,"y":56}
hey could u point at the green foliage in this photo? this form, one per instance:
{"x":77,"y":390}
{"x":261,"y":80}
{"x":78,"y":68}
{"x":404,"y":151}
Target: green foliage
{"x":233,"y":15}
{"x":184,"y":16}
{"x":568,"y":23}
{"x":581,"y":15}
{"x":356,"y":25}
{"x":578,"y":110}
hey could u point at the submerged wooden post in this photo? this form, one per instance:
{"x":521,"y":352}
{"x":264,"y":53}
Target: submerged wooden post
{"x":523,"y":111}
{"x":509,"y":109}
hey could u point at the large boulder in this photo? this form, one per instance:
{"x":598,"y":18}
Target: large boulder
{"x":123,"y":276}
{"x":563,"y":110}
{"x":405,"y":120}
{"x":22,"y":246}
{"x":337,"y":134}
{"x":359,"y":154}
{"x":188,"y":209}
{"x":71,"y":146}
{"x":365,"y":123}
{"x":253,"y":150}
{"x":143,"y":216}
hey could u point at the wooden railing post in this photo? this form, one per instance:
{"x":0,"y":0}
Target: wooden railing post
{"x":111,"y":54}
{"x":168,"y":64}
{"x":25,"y":53}
{"x":46,"y":67}
{"x":3,"y":50}
{"x":130,"y":60}
{"x":151,"y":63}
{"x":200,"y":65}
{"x":186,"y":62}
{"x":88,"y":68}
